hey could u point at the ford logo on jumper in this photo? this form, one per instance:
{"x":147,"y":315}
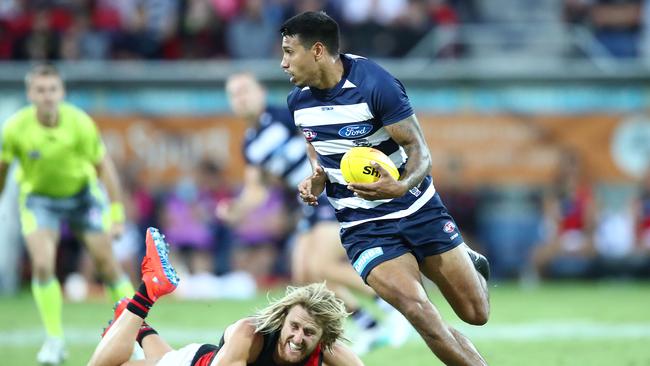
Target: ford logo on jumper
{"x":355,"y":130}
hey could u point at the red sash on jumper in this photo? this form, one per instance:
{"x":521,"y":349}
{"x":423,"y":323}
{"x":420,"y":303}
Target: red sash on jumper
{"x":206,"y":359}
{"x":315,"y":358}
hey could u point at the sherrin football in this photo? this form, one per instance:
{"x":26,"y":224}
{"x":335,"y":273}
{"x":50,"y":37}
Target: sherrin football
{"x":357,"y":168}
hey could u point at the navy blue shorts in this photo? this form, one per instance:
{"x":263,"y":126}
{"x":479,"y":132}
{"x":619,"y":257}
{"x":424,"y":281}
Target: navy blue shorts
{"x":312,"y":215}
{"x":428,"y":231}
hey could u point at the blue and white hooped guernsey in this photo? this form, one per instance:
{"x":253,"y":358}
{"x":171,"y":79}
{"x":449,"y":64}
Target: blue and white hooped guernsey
{"x":354,"y":113}
{"x":276,"y":146}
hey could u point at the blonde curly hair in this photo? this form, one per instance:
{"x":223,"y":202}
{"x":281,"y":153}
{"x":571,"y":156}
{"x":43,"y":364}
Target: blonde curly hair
{"x":327,"y":310}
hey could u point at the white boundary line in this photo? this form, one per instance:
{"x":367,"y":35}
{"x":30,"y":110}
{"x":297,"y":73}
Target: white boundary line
{"x":523,"y":332}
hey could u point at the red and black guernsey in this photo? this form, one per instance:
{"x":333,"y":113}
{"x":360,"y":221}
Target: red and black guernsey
{"x":207,"y":352}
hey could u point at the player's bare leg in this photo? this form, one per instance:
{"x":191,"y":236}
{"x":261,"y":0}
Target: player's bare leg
{"x":101,"y":250}
{"x":159,"y":278}
{"x":398,"y":282}
{"x":318,"y":255}
{"x":299,"y":266}
{"x":116,"y":345}
{"x":463,"y":287}
{"x":155,"y":347}
{"x":100,"y":247}
{"x":329,"y":261}
{"x":316,"y":250}
{"x":543,"y":254}
{"x":304,"y":258}
{"x":41,"y":246}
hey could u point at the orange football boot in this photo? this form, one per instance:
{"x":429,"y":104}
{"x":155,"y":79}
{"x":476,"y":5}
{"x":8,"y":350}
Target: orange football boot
{"x":158,"y":275}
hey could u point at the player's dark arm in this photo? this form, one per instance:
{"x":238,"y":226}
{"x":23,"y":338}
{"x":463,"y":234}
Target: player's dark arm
{"x":407,"y":133}
{"x":4,"y":168}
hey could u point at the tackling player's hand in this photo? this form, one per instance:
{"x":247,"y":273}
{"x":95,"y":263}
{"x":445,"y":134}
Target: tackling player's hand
{"x":311,"y":187}
{"x":385,"y":187}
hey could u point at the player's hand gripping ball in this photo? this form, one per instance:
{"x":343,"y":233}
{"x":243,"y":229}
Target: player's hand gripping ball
{"x":356,"y":165}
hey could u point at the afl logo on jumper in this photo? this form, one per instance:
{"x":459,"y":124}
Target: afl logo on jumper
{"x":354,"y":131}
{"x":309,"y":133}
{"x":449,"y":227}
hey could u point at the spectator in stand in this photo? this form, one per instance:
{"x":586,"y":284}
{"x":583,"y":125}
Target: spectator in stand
{"x":83,"y":42}
{"x":446,"y":19}
{"x":462,"y":200}
{"x":6,"y":40}
{"x":187,"y":219}
{"x":41,"y":42}
{"x":641,"y":255}
{"x":201,"y":30}
{"x":252,"y":34}
{"x":616,"y":24}
{"x":148,"y":24}
{"x":570,"y":214}
{"x":382,"y":12}
{"x":259,"y":236}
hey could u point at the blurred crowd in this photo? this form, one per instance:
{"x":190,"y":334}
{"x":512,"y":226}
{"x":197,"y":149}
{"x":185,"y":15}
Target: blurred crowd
{"x":200,"y":29}
{"x":190,"y":29}
{"x":573,"y":228}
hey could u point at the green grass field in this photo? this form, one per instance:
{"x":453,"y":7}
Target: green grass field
{"x":568,"y":324}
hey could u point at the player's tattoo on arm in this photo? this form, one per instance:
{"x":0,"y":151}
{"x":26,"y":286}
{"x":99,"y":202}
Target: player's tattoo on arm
{"x":407,"y":133}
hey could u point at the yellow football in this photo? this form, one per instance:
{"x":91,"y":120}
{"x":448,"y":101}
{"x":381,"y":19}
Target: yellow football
{"x":357,"y":168}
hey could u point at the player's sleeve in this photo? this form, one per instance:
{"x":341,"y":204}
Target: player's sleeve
{"x":7,"y":144}
{"x":389,"y":100}
{"x":91,"y":142}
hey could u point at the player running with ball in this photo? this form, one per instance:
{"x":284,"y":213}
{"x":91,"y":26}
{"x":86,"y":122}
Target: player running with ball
{"x":393,"y":230}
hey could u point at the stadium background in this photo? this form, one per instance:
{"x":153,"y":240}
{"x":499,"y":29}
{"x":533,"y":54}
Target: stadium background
{"x":505,"y":91}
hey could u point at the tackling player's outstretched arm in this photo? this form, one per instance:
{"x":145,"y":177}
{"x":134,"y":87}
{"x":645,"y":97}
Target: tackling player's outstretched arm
{"x":239,"y":341}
